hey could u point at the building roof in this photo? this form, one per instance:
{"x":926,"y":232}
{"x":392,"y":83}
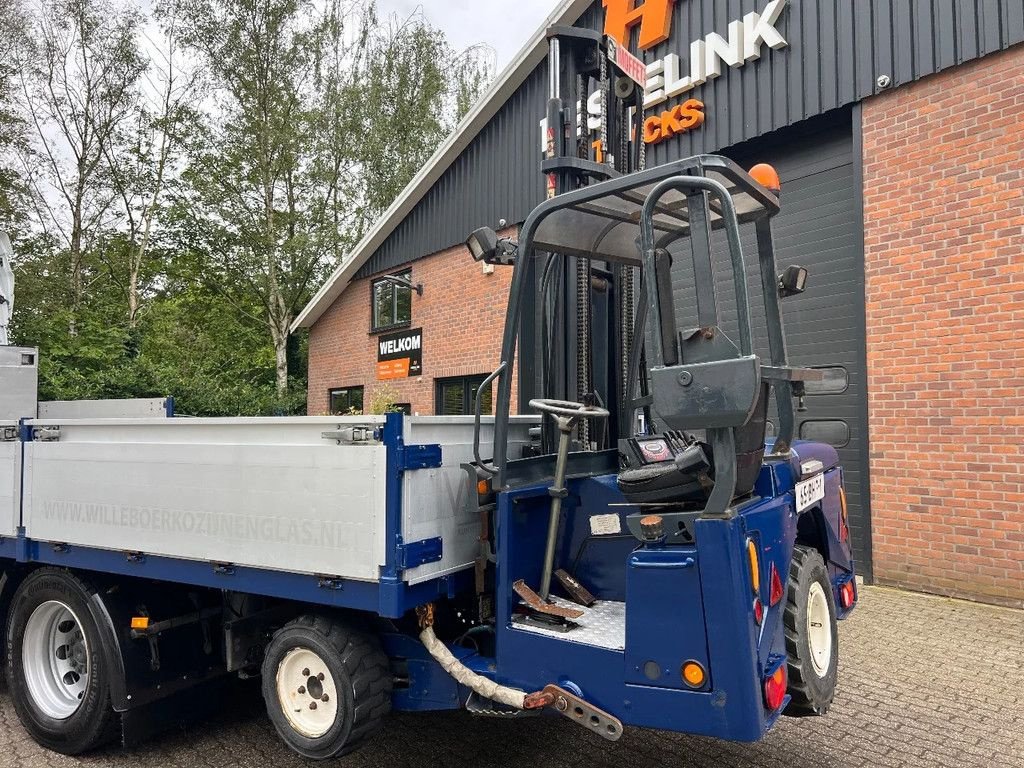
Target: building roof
{"x":513,"y":76}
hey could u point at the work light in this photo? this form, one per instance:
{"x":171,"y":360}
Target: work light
{"x":484,"y":245}
{"x":792,"y":281}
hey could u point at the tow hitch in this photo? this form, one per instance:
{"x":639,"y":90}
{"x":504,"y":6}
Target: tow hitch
{"x":579,"y":711}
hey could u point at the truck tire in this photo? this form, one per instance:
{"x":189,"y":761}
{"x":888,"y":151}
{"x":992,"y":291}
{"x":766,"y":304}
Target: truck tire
{"x":327,"y":686}
{"x":812,"y":637}
{"x":56,"y":667}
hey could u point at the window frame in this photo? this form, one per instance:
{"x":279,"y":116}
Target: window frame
{"x":468,"y":383}
{"x":330,"y":398}
{"x":405,"y":274}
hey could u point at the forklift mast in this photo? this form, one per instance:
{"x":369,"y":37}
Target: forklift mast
{"x":586,"y":307}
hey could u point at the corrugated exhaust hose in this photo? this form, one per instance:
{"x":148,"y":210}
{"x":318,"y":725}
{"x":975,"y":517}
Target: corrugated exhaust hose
{"x":462,"y":674}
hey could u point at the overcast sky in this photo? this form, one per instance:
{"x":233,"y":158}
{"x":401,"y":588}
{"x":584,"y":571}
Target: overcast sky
{"x":504,"y":25}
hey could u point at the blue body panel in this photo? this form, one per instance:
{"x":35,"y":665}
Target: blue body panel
{"x":683,"y":603}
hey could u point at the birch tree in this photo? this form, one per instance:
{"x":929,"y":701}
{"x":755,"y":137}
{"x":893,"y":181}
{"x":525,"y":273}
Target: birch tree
{"x":12,"y":126}
{"x":318,"y":118}
{"x":141,"y":159}
{"x":78,"y":70}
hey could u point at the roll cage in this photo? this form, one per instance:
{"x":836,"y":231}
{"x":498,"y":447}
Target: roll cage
{"x":631,"y":221}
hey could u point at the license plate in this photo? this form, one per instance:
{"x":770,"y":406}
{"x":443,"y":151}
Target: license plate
{"x":809,"y":491}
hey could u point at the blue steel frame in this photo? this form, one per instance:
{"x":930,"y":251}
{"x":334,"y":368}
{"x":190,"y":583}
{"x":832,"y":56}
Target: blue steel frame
{"x":391,"y":597}
{"x":737,"y":652}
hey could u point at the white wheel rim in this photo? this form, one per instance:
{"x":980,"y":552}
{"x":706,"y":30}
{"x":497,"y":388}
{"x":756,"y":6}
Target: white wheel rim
{"x":55,"y":659}
{"x":306,"y":693}
{"x":819,"y":630}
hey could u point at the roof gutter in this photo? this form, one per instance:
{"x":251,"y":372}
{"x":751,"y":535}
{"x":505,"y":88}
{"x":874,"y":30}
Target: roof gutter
{"x":513,"y":76}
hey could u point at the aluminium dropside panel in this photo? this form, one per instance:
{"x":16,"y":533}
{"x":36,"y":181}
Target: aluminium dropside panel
{"x":264,"y":492}
{"x":19,"y":382}
{"x":434,"y":500}
{"x":121,"y":408}
{"x":10,"y":480}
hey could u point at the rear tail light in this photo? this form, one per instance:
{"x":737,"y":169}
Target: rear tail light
{"x":775,"y":689}
{"x":776,"y":591}
{"x":847,"y":595}
{"x":758,"y":611}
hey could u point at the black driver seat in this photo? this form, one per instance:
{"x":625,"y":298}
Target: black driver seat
{"x":689,"y":476}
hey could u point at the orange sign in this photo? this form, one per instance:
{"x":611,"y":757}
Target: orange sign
{"x":393,"y":369}
{"x":654,"y":18}
{"x":680,"y":119}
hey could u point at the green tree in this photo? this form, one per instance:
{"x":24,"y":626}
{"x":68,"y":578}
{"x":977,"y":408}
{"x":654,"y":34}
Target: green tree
{"x":320,"y":120}
{"x":78,"y":69}
{"x":417,"y":89}
{"x":140,"y":159}
{"x":263,"y":186}
{"x":12,"y":125}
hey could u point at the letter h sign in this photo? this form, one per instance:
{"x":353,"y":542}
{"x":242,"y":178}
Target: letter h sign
{"x":654,"y":18}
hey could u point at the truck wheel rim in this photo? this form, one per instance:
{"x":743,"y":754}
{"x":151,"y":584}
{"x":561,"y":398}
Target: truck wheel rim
{"x":819,"y":630}
{"x":55,"y":659}
{"x":306,"y":693}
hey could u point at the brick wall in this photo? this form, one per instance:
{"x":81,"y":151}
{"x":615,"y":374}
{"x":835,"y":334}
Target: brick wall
{"x":944,"y":253}
{"x":462,"y":313}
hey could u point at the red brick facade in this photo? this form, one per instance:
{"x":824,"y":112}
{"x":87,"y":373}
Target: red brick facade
{"x":462,"y":313}
{"x":944,"y":254}
{"x":944,"y":270}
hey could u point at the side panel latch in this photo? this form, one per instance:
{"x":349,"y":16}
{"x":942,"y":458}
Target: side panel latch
{"x":45,"y":434}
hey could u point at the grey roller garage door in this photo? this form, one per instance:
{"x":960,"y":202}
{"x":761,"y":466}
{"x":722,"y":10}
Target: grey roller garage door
{"x":820,"y":227}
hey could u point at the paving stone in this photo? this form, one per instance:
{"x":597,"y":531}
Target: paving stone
{"x":924,"y":681}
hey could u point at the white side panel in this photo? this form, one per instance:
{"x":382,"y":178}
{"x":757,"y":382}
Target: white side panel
{"x":433,"y":500}
{"x":19,"y":382}
{"x":269,"y":493}
{"x":133,"y":408}
{"x":10,"y":481}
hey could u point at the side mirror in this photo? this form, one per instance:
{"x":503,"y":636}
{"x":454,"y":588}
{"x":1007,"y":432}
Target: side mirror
{"x":793,"y":281}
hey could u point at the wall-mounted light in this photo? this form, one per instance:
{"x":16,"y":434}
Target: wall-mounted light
{"x":418,"y":287}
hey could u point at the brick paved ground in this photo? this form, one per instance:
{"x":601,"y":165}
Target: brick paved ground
{"x":924,"y":681}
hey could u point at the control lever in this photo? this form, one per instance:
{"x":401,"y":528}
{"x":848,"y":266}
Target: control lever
{"x":566,"y":415}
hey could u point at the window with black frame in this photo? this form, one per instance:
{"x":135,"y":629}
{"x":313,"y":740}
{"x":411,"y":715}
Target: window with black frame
{"x":345,"y":400}
{"x":391,"y":304}
{"x":454,"y":397}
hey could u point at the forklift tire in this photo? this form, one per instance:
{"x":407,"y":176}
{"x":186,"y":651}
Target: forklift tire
{"x":812,"y":637}
{"x":56,"y":666}
{"x":327,"y":686}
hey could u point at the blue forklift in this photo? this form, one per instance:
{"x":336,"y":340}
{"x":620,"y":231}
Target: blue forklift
{"x":656,"y":558}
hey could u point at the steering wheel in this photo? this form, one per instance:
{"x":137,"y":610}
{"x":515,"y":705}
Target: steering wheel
{"x":568,"y":409}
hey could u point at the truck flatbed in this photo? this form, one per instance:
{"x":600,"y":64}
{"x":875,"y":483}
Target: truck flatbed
{"x":223,"y":498}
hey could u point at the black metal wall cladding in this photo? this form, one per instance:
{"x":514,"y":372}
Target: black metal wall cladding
{"x":838,"y":50}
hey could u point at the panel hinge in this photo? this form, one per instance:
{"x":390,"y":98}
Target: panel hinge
{"x":45,"y":434}
{"x":417,"y":553}
{"x":418,"y":457}
{"x":8,"y":434}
